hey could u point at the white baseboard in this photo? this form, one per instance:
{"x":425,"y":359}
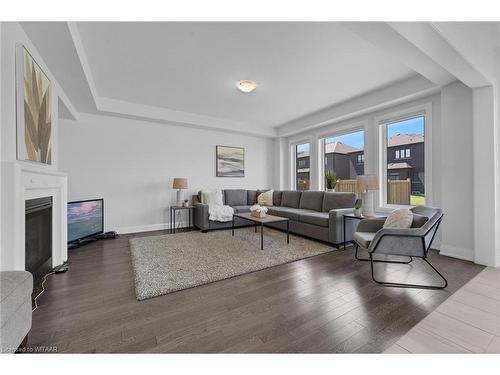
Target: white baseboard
{"x":456,"y":252}
{"x":149,"y":227}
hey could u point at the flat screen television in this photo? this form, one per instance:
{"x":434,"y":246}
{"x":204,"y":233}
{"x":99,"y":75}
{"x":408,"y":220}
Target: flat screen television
{"x":85,"y":219}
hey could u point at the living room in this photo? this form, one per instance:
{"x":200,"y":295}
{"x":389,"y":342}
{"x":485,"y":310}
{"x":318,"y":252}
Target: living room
{"x":250,"y":187}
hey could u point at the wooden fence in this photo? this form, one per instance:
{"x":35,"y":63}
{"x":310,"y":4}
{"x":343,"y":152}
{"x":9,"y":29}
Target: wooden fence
{"x":399,"y":191}
{"x":346,"y":186}
{"x":302,"y":185}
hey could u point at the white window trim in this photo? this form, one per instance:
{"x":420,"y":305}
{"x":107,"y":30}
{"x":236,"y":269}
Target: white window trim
{"x":292,"y":146}
{"x":336,"y":132}
{"x":381,"y":122}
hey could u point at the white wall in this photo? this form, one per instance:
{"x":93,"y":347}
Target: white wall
{"x":457,"y":171}
{"x":131,"y":165}
{"x":484,"y":179}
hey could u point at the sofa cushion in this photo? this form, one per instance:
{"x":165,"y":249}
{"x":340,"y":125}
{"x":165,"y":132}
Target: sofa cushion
{"x":240,"y":209}
{"x":315,"y":218}
{"x":277,"y":198}
{"x":363,"y":239}
{"x":400,"y":218}
{"x":338,"y":200}
{"x":290,"y":213}
{"x":235,"y":197}
{"x":251,"y":197}
{"x":312,"y":200}
{"x":290,"y":198}
{"x":265,"y":198}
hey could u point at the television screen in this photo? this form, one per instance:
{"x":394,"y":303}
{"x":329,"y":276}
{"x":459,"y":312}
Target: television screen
{"x":85,"y":219}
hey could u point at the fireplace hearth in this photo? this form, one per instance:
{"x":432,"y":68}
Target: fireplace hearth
{"x":38,"y":236}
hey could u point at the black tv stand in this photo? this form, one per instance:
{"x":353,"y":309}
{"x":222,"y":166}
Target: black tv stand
{"x":78,"y":243}
{"x":101,"y":236}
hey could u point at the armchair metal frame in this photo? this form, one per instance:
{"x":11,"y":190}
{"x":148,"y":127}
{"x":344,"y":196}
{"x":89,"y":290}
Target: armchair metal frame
{"x":425,"y":249}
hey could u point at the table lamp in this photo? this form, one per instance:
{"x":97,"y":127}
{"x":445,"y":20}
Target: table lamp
{"x":180,"y":184}
{"x":366,"y":185}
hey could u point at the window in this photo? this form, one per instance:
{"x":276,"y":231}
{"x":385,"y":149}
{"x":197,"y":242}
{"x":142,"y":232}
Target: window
{"x":405,"y":170}
{"x":344,"y":155}
{"x":302,"y":163}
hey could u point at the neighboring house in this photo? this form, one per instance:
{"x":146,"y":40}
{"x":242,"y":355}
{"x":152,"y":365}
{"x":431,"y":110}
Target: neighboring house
{"x":302,"y":172}
{"x":347,"y":162}
{"x":405,"y":159}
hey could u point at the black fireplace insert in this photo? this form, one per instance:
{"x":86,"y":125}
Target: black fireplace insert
{"x":38,"y":236}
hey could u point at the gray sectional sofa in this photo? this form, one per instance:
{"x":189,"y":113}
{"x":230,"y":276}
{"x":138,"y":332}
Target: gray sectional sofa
{"x":314,"y":214}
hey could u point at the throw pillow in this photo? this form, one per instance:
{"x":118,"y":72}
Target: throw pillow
{"x":400,"y":218}
{"x":266,"y":198}
{"x":212,"y":197}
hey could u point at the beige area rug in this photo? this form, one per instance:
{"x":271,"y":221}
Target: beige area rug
{"x":168,"y":263}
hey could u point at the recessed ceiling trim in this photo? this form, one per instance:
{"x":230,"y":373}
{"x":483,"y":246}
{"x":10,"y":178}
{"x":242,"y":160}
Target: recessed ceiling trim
{"x":104,"y":104}
{"x":385,"y":37}
{"x":80,"y":50}
{"x":67,"y":103}
{"x":430,"y":41}
{"x":179,"y":117}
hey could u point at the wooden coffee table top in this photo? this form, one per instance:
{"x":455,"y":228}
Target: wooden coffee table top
{"x":265,"y":219}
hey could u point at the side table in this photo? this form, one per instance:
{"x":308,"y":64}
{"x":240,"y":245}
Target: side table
{"x":174,"y":209}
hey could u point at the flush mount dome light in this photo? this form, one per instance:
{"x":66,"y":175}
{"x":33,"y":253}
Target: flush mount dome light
{"x":245,"y":85}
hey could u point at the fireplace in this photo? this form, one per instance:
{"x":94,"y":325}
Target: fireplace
{"x":38,"y":236}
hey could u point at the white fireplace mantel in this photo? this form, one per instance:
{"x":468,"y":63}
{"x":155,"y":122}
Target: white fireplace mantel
{"x":22,"y":181}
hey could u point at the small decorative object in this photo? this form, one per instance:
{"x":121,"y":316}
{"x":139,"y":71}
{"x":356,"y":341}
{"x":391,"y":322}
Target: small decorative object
{"x":230,"y":161}
{"x":357,"y":210}
{"x":258,"y":211}
{"x":180,"y":184}
{"x":34,"y":110}
{"x":331,"y":180}
{"x":366,"y":185}
{"x":185,"y":203}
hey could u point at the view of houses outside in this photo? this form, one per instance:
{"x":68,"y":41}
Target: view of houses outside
{"x":406,"y":159}
{"x":302,"y":164}
{"x":344,"y":155}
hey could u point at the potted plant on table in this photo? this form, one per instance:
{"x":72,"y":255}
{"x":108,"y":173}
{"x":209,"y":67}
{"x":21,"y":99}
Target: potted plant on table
{"x":357,"y":209}
{"x":331,"y":180}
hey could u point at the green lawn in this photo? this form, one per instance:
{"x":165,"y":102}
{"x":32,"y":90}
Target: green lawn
{"x":417,"y":200}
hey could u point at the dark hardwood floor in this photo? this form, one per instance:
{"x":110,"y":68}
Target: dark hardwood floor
{"x":324,"y":304}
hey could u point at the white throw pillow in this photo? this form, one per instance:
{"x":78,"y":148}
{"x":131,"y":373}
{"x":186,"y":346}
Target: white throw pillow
{"x":400,"y":218}
{"x":266,"y":199}
{"x":212,"y":197}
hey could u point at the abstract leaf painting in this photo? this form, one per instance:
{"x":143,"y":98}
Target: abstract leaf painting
{"x":230,"y":161}
{"x":34,"y":117}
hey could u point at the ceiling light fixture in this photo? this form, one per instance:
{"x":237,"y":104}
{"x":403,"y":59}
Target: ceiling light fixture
{"x":245,"y":85}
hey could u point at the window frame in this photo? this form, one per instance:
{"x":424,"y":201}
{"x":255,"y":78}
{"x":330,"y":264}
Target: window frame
{"x":346,"y":129}
{"x":293,"y":161}
{"x":423,"y":110}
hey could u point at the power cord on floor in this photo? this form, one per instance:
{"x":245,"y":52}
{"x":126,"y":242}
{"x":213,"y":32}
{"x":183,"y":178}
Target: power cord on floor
{"x":59,"y":269}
